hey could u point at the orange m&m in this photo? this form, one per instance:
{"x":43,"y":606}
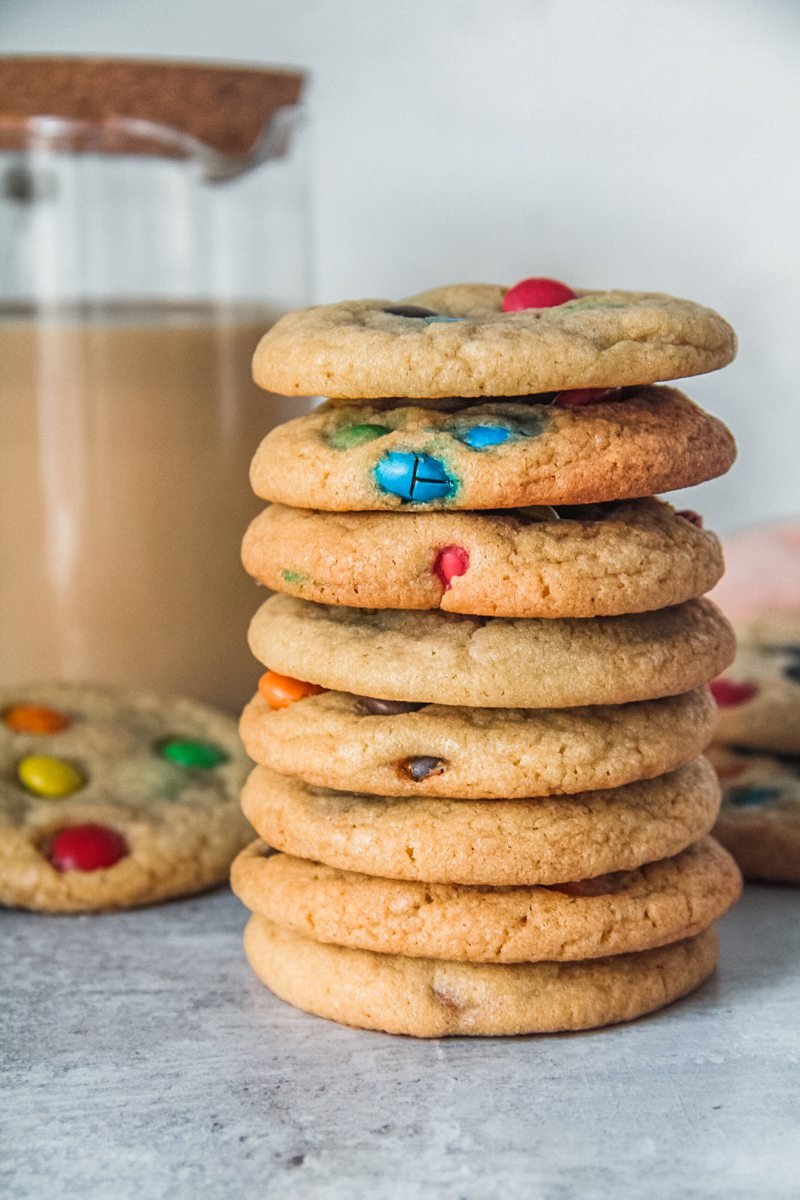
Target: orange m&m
{"x":35,"y":718}
{"x":280,"y":691}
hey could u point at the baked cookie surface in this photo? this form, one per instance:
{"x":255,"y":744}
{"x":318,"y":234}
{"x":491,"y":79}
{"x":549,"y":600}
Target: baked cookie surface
{"x":352,"y":743}
{"x":759,"y":821}
{"x":454,"y":454}
{"x":435,"y":998}
{"x":113,"y":799}
{"x":463,"y":343}
{"x":598,"y":560}
{"x":494,"y":842}
{"x":759,"y":697}
{"x":628,"y":911}
{"x":495,"y":662}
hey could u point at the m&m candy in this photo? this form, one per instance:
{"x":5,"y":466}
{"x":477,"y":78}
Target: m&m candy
{"x":421,"y":766}
{"x":35,"y":718}
{"x":730,"y":770}
{"x":537,"y":292}
{"x":600,"y":885}
{"x":792,"y":671}
{"x":449,"y":562}
{"x":691,"y":516}
{"x":747,"y":797}
{"x":87,"y":848}
{"x":348,"y":436}
{"x":51,"y":778}
{"x":185,"y":752}
{"x":417,"y":477}
{"x":409,"y":310}
{"x":728,"y":693}
{"x":418,"y":313}
{"x":388,"y":708}
{"x":280,"y":691}
{"x":481,"y":437}
{"x":580,"y":397}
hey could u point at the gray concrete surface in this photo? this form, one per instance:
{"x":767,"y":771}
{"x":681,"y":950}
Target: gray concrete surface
{"x":143,"y":1061}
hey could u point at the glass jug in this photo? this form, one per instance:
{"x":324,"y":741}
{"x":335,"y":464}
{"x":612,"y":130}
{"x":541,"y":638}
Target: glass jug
{"x":153,"y":222}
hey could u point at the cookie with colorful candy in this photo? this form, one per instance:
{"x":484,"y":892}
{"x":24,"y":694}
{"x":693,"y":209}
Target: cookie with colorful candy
{"x":480,"y":793}
{"x":113,"y":799}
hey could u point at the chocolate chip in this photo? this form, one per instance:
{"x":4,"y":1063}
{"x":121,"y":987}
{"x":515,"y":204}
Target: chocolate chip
{"x":409,"y":310}
{"x":388,"y":708}
{"x":420,"y":767}
{"x":585,"y":512}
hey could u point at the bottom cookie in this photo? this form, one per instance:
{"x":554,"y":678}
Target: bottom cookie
{"x":433,"y":998}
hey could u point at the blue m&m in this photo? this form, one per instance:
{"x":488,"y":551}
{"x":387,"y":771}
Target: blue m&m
{"x":744,"y":797}
{"x":480,"y":437}
{"x":417,"y":313}
{"x":417,"y":477}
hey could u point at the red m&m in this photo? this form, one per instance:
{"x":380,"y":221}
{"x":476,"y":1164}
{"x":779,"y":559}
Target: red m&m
{"x":691,"y":516}
{"x":579,"y":397}
{"x":731,"y":770}
{"x":537,"y":293}
{"x":87,"y":848}
{"x":728,"y":693}
{"x":600,"y":885}
{"x":451,"y":561}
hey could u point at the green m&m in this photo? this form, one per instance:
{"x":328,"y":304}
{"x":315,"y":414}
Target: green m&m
{"x":200,"y":756}
{"x":348,"y":436}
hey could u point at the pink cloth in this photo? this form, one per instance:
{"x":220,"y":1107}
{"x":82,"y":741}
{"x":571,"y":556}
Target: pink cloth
{"x":762,"y":572}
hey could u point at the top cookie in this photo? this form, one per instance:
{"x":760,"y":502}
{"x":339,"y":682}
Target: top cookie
{"x":461,"y":342}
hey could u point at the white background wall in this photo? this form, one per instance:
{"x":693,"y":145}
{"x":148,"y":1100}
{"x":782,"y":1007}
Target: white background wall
{"x":634,"y":143}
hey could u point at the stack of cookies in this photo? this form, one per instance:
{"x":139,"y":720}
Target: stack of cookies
{"x":757,"y":750}
{"x":479,"y":784}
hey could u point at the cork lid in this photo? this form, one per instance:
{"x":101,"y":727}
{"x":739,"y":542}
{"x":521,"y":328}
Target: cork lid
{"x":129,"y":106}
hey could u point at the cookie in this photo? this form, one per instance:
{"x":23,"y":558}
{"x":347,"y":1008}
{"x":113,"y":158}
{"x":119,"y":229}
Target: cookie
{"x":759,"y":820}
{"x":434,"y":998}
{"x":494,"y":662}
{"x":495,"y":842}
{"x":628,"y":911}
{"x":454,"y":454}
{"x":112,"y":799}
{"x":759,"y":697}
{"x":460,"y":340}
{"x":590,"y":561}
{"x":352,"y":743}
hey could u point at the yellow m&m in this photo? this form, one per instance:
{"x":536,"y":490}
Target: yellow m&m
{"x":52,"y":778}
